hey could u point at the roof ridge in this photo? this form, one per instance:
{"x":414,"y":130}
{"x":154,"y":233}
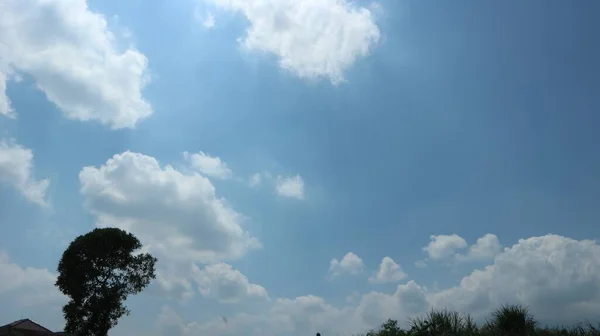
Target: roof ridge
{"x":18,"y":322}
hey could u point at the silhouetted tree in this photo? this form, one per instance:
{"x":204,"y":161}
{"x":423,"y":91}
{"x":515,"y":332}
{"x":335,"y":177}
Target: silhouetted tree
{"x":98,"y":271}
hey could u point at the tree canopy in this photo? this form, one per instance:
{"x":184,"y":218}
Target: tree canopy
{"x":98,"y":271}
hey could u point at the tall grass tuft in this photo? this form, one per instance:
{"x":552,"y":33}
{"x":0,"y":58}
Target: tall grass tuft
{"x":511,"y":320}
{"x":443,"y":323}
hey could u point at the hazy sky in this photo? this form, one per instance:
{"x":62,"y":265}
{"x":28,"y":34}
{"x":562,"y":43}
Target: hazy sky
{"x":303,"y":166}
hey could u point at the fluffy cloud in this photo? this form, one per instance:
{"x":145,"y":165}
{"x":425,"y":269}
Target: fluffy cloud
{"x":30,"y":287}
{"x":444,"y":246}
{"x":73,"y":58}
{"x":310,"y":38}
{"x":350,"y":264}
{"x":306,"y":315}
{"x":302,"y":315}
{"x":16,"y":169}
{"x":557,"y":277}
{"x":208,"y":165}
{"x":407,"y":301}
{"x":290,"y":187}
{"x":388,"y":272}
{"x":486,"y":247}
{"x":226,"y":284}
{"x":175,"y":215}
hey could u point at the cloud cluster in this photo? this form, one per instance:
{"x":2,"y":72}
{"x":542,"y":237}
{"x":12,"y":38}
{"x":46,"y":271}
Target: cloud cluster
{"x":311,"y":39}
{"x":16,"y":169}
{"x":448,"y":248}
{"x":73,"y":58}
{"x":557,"y":277}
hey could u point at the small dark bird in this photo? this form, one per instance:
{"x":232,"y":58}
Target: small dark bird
{"x":318,"y":334}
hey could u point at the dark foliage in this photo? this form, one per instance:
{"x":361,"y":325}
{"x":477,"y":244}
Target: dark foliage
{"x":98,"y":271}
{"x":512,"y":320}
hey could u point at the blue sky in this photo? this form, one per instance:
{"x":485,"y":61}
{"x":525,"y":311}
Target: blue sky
{"x":302,"y":166}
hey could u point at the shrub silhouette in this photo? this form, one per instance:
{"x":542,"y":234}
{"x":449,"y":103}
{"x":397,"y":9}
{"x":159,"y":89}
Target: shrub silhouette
{"x":511,"y":320}
{"x":508,"y":320}
{"x":444,"y":322}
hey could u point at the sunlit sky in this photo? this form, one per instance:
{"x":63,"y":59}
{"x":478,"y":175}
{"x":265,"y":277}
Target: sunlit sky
{"x":302,"y":166}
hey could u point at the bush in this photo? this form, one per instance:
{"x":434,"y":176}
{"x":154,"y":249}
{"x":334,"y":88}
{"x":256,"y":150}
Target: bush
{"x":443,"y":322}
{"x":509,"y":320}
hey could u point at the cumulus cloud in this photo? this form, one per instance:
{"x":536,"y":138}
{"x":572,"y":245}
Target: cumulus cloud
{"x":29,"y":287}
{"x":302,"y":315}
{"x":309,"y":314}
{"x":444,"y":246}
{"x":311,"y":39}
{"x":558,"y":278}
{"x":174,"y":280}
{"x":226,"y":284}
{"x":73,"y":58}
{"x":211,"y":166}
{"x":290,"y":187}
{"x":407,"y":301}
{"x":174,"y":214}
{"x":350,"y":264}
{"x":16,"y":169}
{"x":388,"y":272}
{"x":486,"y":247}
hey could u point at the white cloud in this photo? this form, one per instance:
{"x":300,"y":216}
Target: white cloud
{"x":558,"y":278}
{"x":174,"y":280}
{"x":209,"y":21}
{"x":255,"y":180}
{"x":310,"y":38}
{"x":307,"y":315}
{"x":486,"y":247}
{"x":226,"y":284}
{"x":350,"y":264}
{"x":211,"y":166}
{"x":290,"y":187}
{"x":173,"y":214}
{"x":16,"y":169}
{"x":204,"y":18}
{"x":5,"y":105}
{"x":177,"y":217}
{"x":444,"y":246}
{"x":73,"y":58}
{"x":27,"y":287}
{"x":421,"y":263}
{"x":407,"y":301}
{"x":388,"y":272}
